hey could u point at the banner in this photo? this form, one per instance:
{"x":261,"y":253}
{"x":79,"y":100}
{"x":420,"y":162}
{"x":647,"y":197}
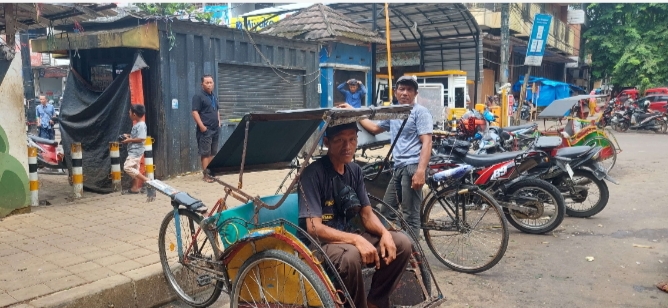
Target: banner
{"x":262,"y":20}
{"x":538,"y":39}
{"x":219,"y":12}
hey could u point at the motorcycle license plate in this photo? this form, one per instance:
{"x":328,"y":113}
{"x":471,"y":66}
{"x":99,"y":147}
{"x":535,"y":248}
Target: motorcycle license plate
{"x":569,"y":170}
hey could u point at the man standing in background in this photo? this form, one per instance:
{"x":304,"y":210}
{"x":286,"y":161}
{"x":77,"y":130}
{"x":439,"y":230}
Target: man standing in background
{"x":205,"y":113}
{"x":45,"y":114}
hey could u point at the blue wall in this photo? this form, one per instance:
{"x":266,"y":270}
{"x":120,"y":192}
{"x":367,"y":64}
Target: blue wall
{"x":339,"y":53}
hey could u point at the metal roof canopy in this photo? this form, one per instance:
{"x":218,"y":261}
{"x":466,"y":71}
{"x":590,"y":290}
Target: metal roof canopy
{"x":32,"y":16}
{"x":560,"y":107}
{"x":425,"y":26}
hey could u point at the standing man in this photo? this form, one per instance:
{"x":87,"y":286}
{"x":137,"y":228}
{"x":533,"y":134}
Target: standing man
{"x":354,"y":93}
{"x":411,"y":154}
{"x":205,"y":113}
{"x":45,"y":115}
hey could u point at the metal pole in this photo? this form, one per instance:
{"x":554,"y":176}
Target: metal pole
{"x":389,"y":50}
{"x":478,"y":50}
{"x":505,"y":55}
{"x":505,"y":42}
{"x":374,"y":63}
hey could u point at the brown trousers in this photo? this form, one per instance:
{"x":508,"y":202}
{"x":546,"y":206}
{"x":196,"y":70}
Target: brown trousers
{"x":348,"y":262}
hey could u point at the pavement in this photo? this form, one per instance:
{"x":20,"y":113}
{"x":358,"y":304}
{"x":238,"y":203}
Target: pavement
{"x":100,"y":250}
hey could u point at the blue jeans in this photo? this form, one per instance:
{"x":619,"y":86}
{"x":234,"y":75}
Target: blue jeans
{"x":398,"y":192}
{"x":47,"y":133}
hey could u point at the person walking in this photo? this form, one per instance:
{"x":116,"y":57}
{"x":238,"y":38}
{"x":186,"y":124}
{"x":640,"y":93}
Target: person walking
{"x":45,"y":116}
{"x":205,"y":113}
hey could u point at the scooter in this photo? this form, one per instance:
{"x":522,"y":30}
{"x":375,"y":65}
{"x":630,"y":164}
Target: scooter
{"x":48,"y":154}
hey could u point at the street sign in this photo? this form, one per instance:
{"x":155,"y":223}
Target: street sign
{"x":538,"y":39}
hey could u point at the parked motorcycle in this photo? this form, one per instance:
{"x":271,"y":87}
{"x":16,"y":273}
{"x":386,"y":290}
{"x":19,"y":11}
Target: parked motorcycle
{"x":607,"y":114}
{"x":576,"y":171}
{"x":48,"y":154}
{"x":530,"y":204}
{"x":635,"y":118}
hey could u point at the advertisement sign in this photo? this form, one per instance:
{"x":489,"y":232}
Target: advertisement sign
{"x":261,"y":21}
{"x":219,"y":12}
{"x":538,"y":39}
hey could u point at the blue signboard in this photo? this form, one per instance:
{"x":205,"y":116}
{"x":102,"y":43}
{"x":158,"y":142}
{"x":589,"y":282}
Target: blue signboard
{"x":219,"y":12}
{"x":538,"y":39}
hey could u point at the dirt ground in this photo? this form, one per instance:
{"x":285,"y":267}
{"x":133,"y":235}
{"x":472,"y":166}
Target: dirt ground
{"x":552,"y":270}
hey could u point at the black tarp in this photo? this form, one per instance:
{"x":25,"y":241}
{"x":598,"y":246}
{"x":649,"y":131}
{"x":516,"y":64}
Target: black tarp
{"x":95,"y":119}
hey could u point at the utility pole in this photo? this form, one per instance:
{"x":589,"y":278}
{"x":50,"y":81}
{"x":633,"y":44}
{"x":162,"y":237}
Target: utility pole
{"x":505,"y":55}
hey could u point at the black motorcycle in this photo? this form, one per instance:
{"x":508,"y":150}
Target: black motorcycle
{"x":635,"y":118}
{"x":607,"y":115}
{"x":573,"y":170}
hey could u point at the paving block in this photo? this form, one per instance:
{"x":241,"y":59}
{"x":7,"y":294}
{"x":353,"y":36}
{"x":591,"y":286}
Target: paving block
{"x":83,"y":267}
{"x":96,"y":274}
{"x":65,"y":283}
{"x":69,"y":261}
{"x":96,"y":254}
{"x":112,"y":259}
{"x":6,"y":300}
{"x":116,"y":291}
{"x":125,"y":266}
{"x":137,"y":253}
{"x":153,"y":258}
{"x":30,"y":292}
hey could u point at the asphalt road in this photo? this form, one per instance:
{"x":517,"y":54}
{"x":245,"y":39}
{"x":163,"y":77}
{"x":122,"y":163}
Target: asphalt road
{"x":628,"y":241}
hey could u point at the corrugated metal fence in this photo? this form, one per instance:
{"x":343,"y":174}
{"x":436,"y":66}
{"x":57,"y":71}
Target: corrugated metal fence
{"x":197,"y":50}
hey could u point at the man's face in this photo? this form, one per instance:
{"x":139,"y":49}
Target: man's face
{"x":42,"y":99}
{"x":342,"y":146}
{"x":406,"y":94}
{"x":207,"y":84}
{"x":353,"y":88}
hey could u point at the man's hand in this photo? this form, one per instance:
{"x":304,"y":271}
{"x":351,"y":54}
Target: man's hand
{"x":418,"y":180}
{"x":202,"y":128}
{"x":359,"y":82}
{"x":388,"y":251}
{"x":51,"y":122}
{"x":345,"y":106}
{"x":367,"y":251}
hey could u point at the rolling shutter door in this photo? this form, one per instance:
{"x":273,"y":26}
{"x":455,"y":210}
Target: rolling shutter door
{"x":243,"y":89}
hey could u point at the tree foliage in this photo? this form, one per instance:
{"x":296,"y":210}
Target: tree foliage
{"x":185,"y":10}
{"x":628,"y":42}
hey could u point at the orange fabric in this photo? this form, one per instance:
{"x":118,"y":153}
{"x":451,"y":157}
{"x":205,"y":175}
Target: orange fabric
{"x":137,"y":97}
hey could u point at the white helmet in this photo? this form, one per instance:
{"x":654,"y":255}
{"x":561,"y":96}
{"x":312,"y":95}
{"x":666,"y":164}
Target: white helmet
{"x":645,"y":103}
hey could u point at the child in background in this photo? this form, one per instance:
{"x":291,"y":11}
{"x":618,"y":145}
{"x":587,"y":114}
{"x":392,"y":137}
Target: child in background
{"x":135,"y":142}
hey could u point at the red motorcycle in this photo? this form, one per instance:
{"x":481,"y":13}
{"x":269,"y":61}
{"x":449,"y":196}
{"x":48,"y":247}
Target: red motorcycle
{"x":531,"y":205}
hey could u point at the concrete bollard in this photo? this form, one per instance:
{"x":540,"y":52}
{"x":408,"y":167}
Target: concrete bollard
{"x":115,"y":156}
{"x":453,"y":125}
{"x":148,"y":157}
{"x":32,"y":174}
{"x":77,"y":170}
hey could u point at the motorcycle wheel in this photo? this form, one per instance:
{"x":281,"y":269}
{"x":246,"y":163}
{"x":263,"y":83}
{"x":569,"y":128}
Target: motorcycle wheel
{"x":621,"y":126}
{"x":547,"y":194}
{"x":663,"y":127}
{"x":575,"y":206}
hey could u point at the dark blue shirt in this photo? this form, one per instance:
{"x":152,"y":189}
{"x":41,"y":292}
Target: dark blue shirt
{"x":207,"y":106}
{"x":353,"y":99}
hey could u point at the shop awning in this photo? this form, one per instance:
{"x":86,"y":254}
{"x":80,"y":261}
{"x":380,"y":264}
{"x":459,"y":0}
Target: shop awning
{"x":144,"y":36}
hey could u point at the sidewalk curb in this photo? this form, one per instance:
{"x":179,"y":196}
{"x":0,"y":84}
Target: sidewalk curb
{"x":143,"y":287}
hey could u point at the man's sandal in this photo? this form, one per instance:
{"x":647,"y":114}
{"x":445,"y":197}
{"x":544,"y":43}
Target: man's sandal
{"x":129,"y":192}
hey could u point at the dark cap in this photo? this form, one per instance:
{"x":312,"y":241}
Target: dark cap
{"x":409,"y":80}
{"x":335,"y":130}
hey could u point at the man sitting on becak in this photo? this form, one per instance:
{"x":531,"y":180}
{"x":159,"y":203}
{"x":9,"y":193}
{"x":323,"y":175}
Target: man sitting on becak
{"x":333,"y":192}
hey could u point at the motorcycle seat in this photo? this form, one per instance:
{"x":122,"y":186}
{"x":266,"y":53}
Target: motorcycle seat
{"x":641,"y":116}
{"x":491,"y":159}
{"x":43,"y":141}
{"x":574,"y":151}
{"x":545,"y":142}
{"x":519,"y":127}
{"x":183,"y":198}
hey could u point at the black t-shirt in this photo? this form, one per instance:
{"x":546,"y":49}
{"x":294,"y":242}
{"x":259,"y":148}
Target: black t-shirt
{"x":207,"y":107}
{"x":316,"y":183}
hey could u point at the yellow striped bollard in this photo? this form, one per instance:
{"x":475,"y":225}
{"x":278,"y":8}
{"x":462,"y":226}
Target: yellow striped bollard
{"x":453,"y":125}
{"x":115,"y":156}
{"x":77,"y":169}
{"x":32,"y":174}
{"x":148,"y":157}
